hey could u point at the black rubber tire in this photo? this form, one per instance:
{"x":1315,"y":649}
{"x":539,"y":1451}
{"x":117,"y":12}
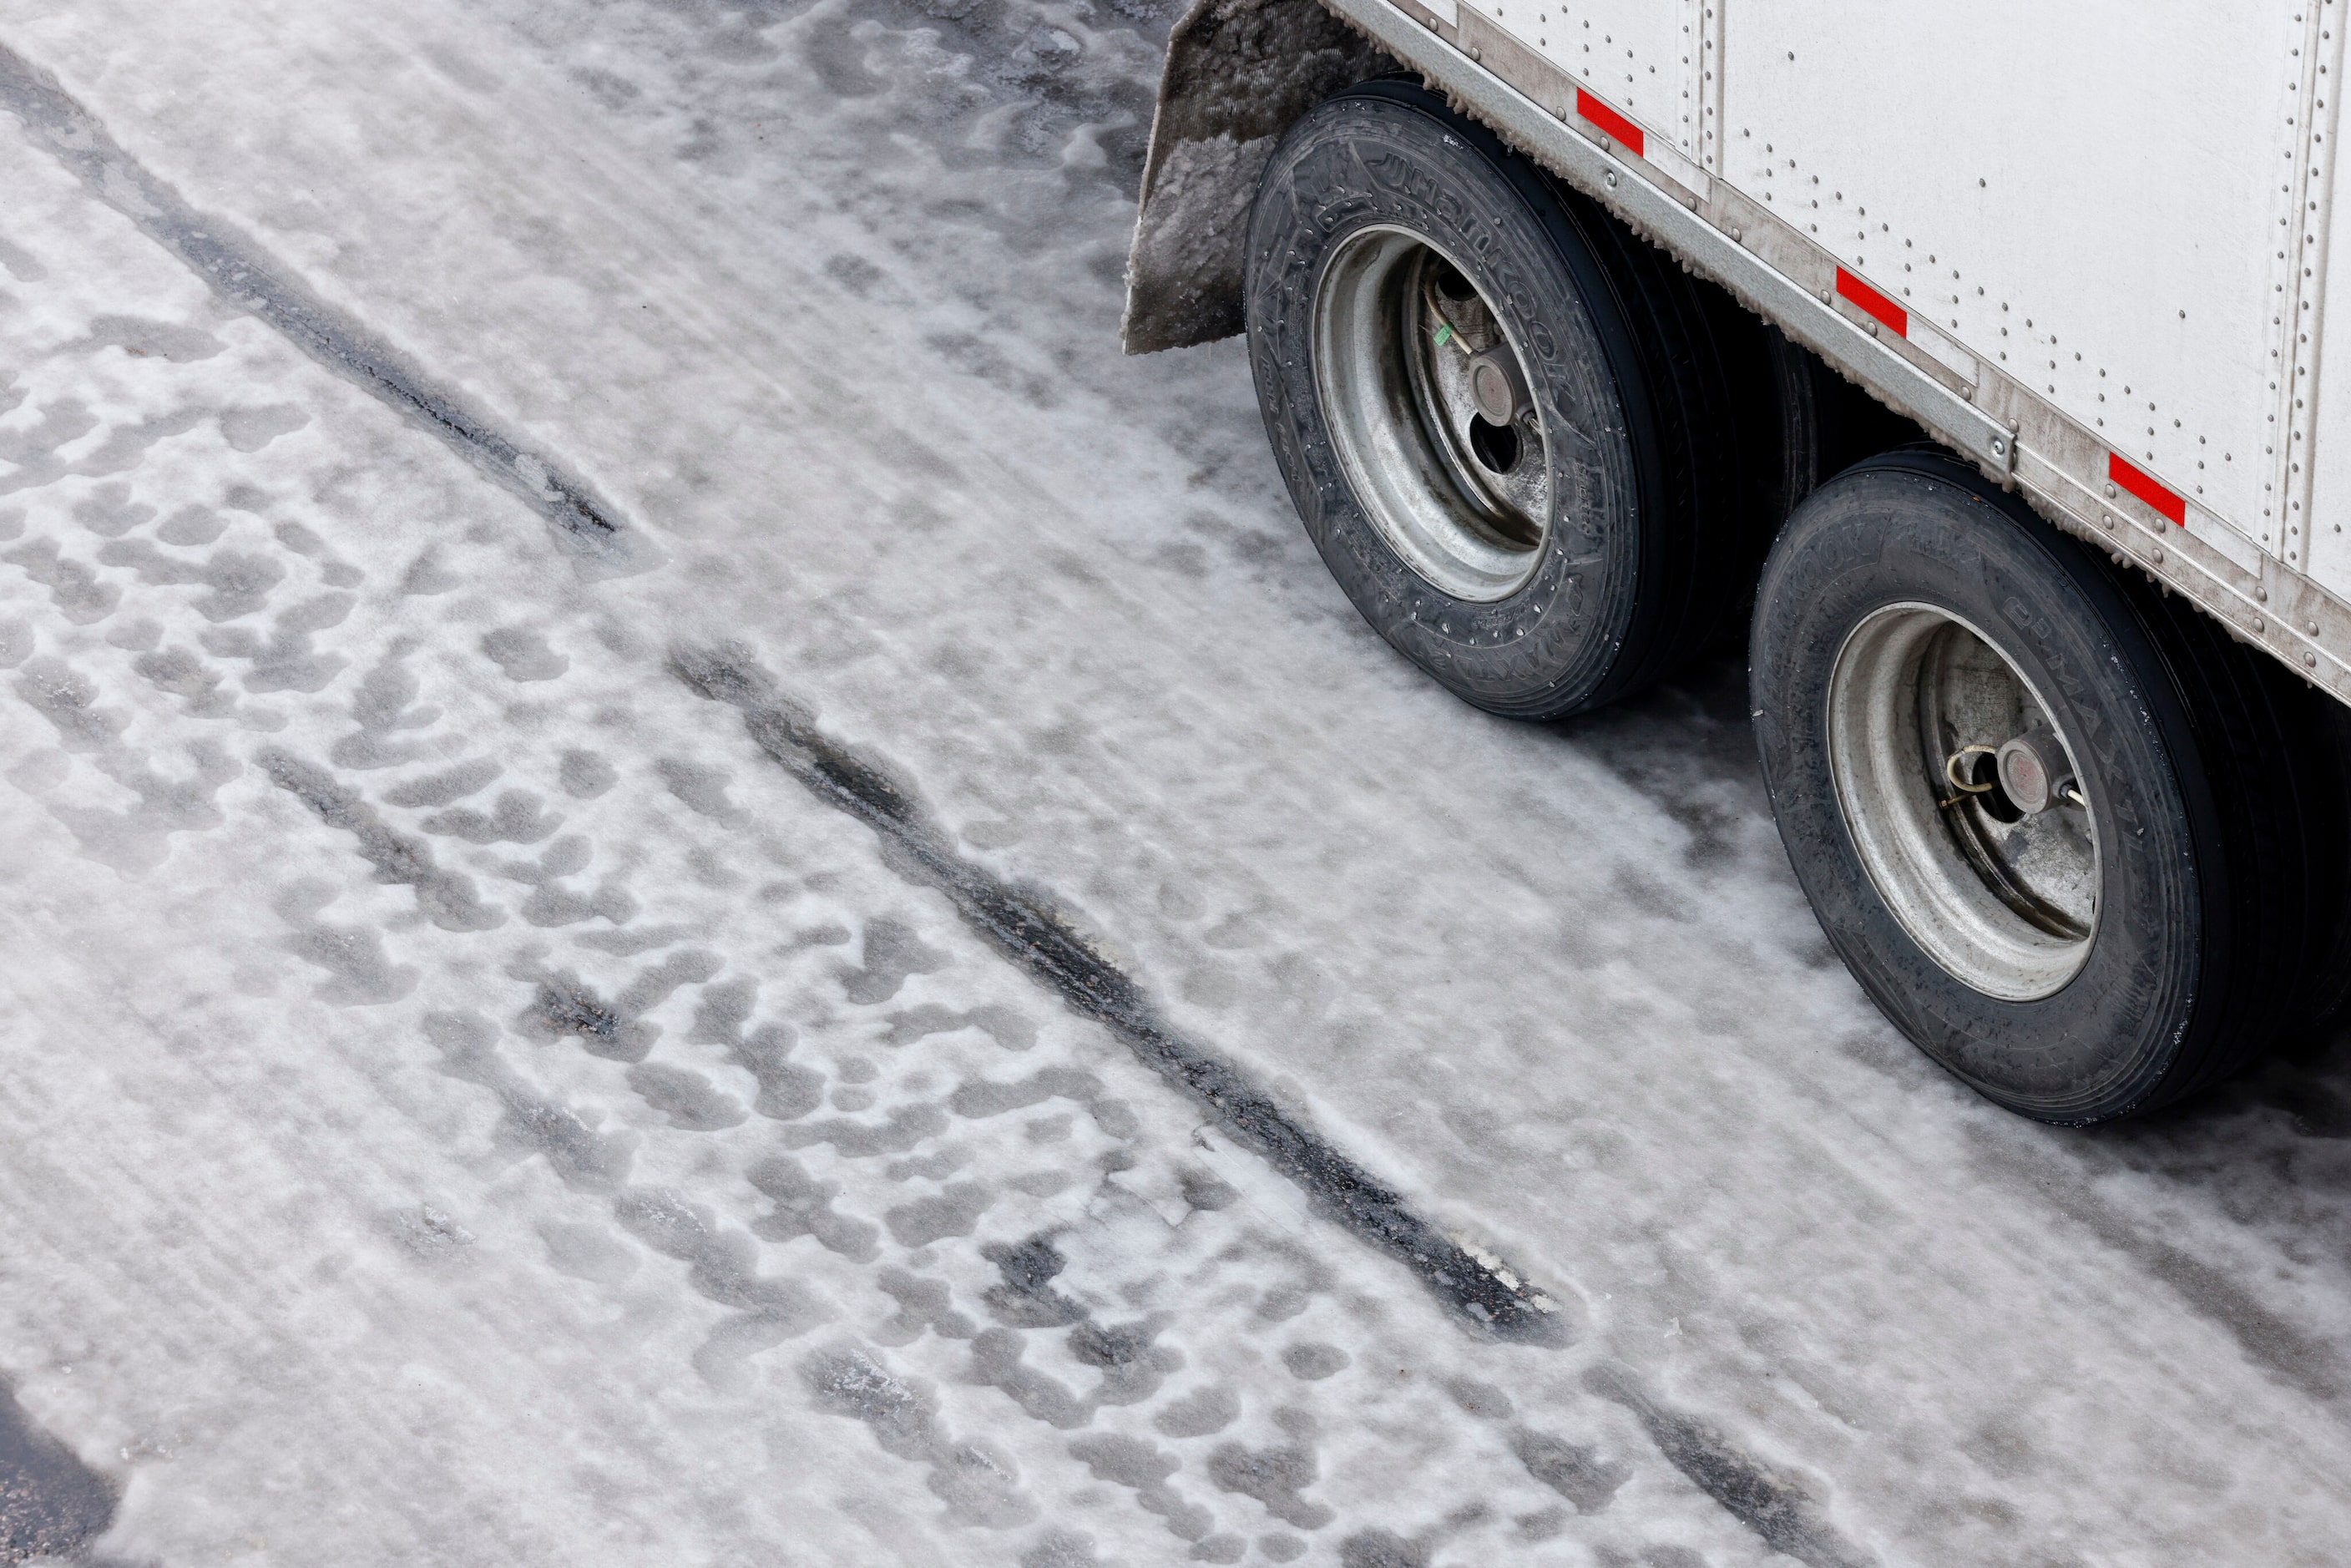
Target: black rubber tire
{"x":1801,"y":423}
{"x":2222,"y":903}
{"x":1653,"y":543}
{"x":1825,"y":425}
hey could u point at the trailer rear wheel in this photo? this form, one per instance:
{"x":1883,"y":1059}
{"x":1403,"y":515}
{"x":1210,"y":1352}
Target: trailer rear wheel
{"x":2076,"y":844}
{"x":1513,"y":431}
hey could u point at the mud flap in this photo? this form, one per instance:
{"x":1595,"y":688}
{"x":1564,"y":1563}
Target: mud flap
{"x":1238,"y":73}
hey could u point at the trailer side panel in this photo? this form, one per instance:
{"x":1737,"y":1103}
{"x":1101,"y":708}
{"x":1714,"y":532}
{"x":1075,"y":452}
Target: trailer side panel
{"x":2098,"y":215}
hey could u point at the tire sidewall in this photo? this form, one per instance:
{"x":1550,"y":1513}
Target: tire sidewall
{"x":1921,"y":531}
{"x":1375,"y":157}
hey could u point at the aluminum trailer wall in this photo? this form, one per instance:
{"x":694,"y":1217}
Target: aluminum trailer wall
{"x":2085,"y":245}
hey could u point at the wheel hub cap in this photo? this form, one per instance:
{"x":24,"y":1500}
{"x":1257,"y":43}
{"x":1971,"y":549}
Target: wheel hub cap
{"x":1963,"y":801}
{"x":1430,"y":411}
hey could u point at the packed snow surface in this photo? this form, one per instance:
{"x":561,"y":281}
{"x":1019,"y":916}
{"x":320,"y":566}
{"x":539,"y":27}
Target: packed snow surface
{"x":546,"y":551}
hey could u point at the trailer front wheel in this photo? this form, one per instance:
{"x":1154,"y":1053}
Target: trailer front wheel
{"x":1523,"y":442}
{"x":2081,"y":848}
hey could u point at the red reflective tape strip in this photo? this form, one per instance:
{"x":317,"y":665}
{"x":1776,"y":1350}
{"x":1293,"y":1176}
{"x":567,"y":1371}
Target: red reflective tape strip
{"x":2146,"y":489}
{"x":1609,"y":121}
{"x":1871,"y":301}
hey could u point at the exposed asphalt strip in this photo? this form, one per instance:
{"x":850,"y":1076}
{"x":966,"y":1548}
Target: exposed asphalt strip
{"x":1024,"y":925}
{"x":1030,"y":929}
{"x":236,"y":269}
{"x":51,"y":1505}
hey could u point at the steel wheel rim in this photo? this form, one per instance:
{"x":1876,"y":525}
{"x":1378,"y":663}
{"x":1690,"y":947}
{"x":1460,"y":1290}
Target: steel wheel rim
{"x":2004,"y":899}
{"x":1403,"y":344}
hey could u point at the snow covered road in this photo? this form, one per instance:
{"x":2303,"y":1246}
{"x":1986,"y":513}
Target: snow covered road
{"x":489,"y":1084}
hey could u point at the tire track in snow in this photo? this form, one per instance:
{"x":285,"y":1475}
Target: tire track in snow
{"x":244,"y":275}
{"x":1029,"y":928}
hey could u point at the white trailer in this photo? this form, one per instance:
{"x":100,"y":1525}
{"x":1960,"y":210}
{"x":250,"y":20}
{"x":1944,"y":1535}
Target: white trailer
{"x":2048,"y":694}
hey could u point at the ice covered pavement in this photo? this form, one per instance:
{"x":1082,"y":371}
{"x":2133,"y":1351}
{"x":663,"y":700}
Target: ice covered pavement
{"x":474,"y":1100}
